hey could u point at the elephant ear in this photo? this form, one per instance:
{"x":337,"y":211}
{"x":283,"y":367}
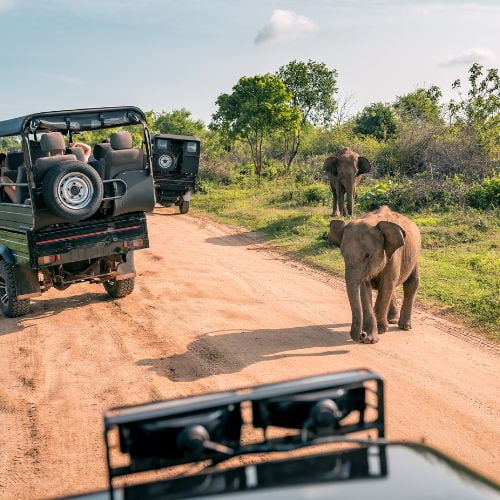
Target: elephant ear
{"x":394,"y":236}
{"x":336,"y":232}
{"x":364,"y":166}
{"x":330,"y":165}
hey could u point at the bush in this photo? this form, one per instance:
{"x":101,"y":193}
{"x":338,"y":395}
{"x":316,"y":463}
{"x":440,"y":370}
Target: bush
{"x":422,"y":192}
{"x":314,"y":194}
{"x":485,"y":195}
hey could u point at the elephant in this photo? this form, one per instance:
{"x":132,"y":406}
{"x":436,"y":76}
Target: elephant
{"x":344,"y":169}
{"x":380,"y":251}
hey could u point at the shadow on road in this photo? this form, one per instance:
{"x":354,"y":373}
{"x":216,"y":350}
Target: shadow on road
{"x":218,"y":353}
{"x":44,"y":308}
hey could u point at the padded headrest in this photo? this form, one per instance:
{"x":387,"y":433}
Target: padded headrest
{"x":52,"y":141}
{"x":78,"y":152}
{"x":121,"y":140}
{"x":14,"y":160}
{"x":101,"y":149}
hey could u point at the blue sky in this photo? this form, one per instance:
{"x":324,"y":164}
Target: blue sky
{"x":165,"y":54}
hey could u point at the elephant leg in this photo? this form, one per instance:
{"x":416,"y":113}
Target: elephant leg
{"x":410,"y":287}
{"x":340,"y":194}
{"x":335,"y":210}
{"x":350,"y":200}
{"x":392,"y":315}
{"x":384,"y":297}
{"x":369,"y":334}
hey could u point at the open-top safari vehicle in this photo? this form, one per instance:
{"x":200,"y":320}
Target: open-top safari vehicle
{"x":176,"y":160}
{"x":280,"y":428}
{"x":64,"y":219}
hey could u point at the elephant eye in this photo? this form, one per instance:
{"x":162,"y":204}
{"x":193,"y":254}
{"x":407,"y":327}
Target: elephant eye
{"x":367,"y":255}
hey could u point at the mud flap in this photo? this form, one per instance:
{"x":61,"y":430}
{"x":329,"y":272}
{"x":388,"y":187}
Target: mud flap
{"x":126,"y":269}
{"x":27,"y":284}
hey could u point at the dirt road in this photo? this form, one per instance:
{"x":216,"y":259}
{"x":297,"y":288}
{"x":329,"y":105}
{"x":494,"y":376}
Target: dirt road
{"x":215,"y":309}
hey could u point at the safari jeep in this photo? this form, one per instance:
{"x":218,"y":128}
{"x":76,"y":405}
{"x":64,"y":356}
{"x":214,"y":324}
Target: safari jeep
{"x":66,"y":218}
{"x":176,"y":160}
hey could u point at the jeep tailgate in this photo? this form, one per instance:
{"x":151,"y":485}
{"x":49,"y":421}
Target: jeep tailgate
{"x":90,"y":239}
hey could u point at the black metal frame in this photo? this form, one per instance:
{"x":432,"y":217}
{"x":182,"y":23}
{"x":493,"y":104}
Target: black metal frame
{"x":312,"y":389}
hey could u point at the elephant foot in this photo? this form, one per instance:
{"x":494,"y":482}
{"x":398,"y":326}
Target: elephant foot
{"x":366,"y":338}
{"x":405,"y":325}
{"x":392,"y":321}
{"x":382,"y":327}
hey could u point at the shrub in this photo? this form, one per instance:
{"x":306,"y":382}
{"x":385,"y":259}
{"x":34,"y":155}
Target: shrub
{"x":485,"y":195}
{"x":422,"y":192}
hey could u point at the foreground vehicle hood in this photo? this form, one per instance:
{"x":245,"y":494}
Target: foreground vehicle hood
{"x":391,"y":471}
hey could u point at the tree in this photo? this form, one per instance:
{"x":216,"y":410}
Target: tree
{"x":313,"y":86}
{"x":421,"y":105}
{"x":377,"y":120}
{"x":478,"y":113}
{"x":178,"y":121}
{"x":257,"y":107}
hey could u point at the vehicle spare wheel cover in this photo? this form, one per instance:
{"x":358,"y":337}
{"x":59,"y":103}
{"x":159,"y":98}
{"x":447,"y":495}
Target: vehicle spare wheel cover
{"x":166,"y":161}
{"x":72,"y":190}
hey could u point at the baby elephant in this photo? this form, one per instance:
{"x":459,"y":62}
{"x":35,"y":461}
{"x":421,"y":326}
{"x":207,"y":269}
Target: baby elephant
{"x":380,"y":251}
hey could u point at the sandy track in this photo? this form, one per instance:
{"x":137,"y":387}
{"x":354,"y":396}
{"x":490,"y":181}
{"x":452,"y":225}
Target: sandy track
{"x":214,"y":309}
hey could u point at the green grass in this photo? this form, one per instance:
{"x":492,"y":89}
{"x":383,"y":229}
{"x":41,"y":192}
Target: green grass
{"x":459,"y":265}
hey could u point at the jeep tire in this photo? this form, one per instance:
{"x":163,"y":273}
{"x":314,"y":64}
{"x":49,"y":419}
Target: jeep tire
{"x":119,"y":289}
{"x":11,"y":306}
{"x":72,"y":190}
{"x":184,"y":207}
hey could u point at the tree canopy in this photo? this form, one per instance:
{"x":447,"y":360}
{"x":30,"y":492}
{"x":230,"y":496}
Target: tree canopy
{"x":256,"y":108}
{"x":177,"y":121}
{"x":312,"y":86}
{"x":420,"y":105}
{"x":377,"y":120}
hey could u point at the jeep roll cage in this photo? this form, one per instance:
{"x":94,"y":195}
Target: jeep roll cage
{"x":73,"y":121}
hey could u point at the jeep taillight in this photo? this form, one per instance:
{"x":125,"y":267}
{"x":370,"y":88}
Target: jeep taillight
{"x":133,"y":244}
{"x":48,"y":259}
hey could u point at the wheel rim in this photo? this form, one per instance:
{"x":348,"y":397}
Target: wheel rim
{"x":75,"y":190}
{"x":4,"y":296}
{"x":165,"y":161}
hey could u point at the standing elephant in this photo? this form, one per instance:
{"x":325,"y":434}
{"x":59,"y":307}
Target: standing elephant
{"x":380,"y":252}
{"x":344,"y":169}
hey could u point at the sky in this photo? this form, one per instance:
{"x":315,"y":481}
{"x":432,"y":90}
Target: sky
{"x":168,"y":54}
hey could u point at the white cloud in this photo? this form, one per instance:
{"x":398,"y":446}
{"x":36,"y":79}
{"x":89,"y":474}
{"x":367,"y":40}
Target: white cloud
{"x":62,"y":78}
{"x":476,"y":55}
{"x":285,"y":26}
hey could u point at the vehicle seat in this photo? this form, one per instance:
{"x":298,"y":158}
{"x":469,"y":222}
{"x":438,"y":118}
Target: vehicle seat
{"x":99,"y":153}
{"x":14,"y":160}
{"x":22,"y":192}
{"x":122,"y":157}
{"x":50,"y":142}
{"x":36,"y":151}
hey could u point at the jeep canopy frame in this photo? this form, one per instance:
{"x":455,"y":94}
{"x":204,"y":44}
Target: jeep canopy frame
{"x":68,"y":122}
{"x":313,"y":411}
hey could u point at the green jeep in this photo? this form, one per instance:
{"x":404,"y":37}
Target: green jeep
{"x":66,"y":217}
{"x":176,"y":160}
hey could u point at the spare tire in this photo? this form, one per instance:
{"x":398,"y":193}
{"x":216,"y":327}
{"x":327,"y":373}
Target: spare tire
{"x":72,"y":190}
{"x":167,"y":162}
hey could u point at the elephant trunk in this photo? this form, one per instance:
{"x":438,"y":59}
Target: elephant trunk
{"x":353,"y":280}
